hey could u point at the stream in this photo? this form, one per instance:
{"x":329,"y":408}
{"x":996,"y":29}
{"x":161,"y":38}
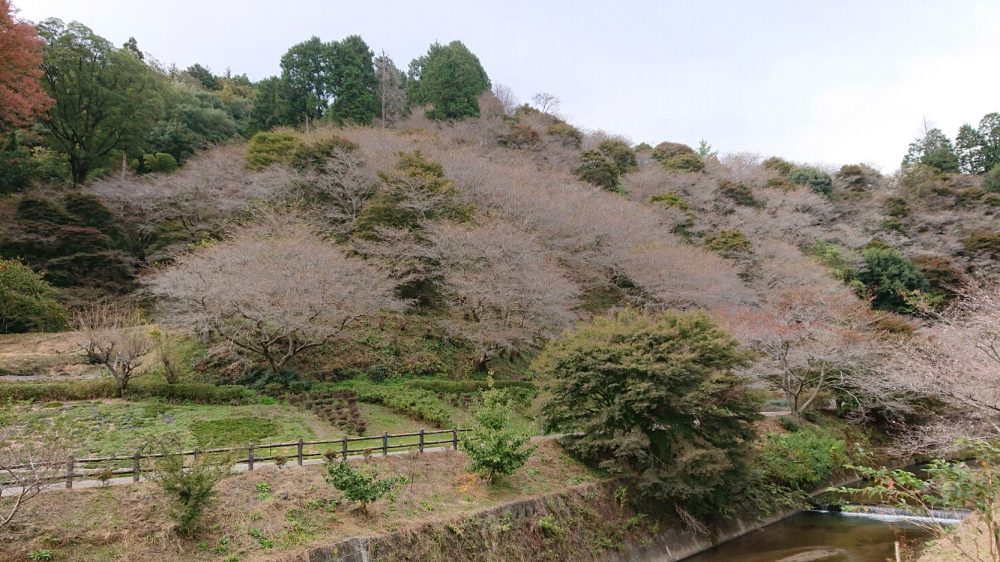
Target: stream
{"x":819,"y":537}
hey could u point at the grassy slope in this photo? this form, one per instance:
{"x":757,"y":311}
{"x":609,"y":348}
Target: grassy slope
{"x":128,"y":522}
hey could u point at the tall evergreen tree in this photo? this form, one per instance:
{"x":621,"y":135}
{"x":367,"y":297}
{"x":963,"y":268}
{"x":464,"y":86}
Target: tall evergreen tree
{"x":307,"y":76}
{"x":932,"y":148}
{"x":270,"y":107}
{"x":989,"y":131}
{"x":969,"y":148}
{"x":450,"y":78}
{"x":354,"y":81}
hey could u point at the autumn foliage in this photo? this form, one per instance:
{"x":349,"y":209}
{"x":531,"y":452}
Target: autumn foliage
{"x":21,"y":95}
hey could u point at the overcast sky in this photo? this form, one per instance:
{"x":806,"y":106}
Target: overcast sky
{"x":833,"y":81}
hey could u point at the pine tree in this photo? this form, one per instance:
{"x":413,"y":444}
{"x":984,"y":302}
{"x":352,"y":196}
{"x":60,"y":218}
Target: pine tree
{"x":969,"y":148}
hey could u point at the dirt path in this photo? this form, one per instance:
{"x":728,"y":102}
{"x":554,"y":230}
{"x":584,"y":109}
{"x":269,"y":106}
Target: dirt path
{"x":43,"y":357}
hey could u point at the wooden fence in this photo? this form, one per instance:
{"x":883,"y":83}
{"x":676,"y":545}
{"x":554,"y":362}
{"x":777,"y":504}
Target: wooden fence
{"x":298,"y":451}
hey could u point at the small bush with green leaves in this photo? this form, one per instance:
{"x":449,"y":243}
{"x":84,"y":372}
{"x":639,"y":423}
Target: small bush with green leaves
{"x":314,"y":155}
{"x":266,"y":149}
{"x":738,"y":193}
{"x":190,"y":489}
{"x":670,"y":199}
{"x":779,"y":165}
{"x":817,"y":180}
{"x":494,"y":448}
{"x":520,"y":136}
{"x":596,"y":169}
{"x":567,"y":135}
{"x":666,"y":150}
{"x":803,"y":459}
{"x":991,"y":181}
{"x":27,"y":302}
{"x":890,"y":278}
{"x":690,"y":163}
{"x":159,"y":163}
{"x":359,"y":485}
{"x":729,"y":243}
{"x":620,"y":153}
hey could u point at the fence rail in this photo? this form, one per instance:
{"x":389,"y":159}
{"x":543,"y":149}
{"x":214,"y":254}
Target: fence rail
{"x":105,"y":468}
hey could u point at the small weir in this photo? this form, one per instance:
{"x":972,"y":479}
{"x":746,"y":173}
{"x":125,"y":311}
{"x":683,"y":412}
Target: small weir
{"x":892,"y":514}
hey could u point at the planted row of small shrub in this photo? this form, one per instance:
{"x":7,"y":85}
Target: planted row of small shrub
{"x":201,"y":393}
{"x":416,"y":403}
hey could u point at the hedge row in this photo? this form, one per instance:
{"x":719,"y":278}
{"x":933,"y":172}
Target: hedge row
{"x":452,"y":386}
{"x":202,"y":393}
{"x":416,"y":403}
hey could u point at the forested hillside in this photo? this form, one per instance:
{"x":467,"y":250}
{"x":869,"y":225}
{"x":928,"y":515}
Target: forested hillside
{"x":347,"y":226}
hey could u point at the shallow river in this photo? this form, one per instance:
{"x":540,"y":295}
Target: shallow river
{"x":817,"y":537}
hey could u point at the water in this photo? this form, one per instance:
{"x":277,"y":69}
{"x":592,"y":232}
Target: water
{"x":818,"y":537}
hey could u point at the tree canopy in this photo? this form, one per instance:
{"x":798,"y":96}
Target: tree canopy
{"x":21,"y":94}
{"x":450,"y":79}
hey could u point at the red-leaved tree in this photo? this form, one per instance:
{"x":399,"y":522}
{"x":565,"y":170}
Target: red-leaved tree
{"x":21,"y":94}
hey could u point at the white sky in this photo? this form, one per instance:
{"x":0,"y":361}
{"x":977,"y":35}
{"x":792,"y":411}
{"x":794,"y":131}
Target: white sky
{"x":833,"y":81}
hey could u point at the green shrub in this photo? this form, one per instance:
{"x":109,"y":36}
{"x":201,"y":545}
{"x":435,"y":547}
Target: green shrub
{"x":982,"y":241}
{"x":27,"y":302}
{"x":684,"y":163}
{"x":596,"y":169}
{"x":729,"y":243}
{"x":189,"y":488}
{"x":265,"y":149}
{"x":738,"y":193}
{"x":991,"y":181}
{"x":857,"y":177}
{"x":568,"y":135}
{"x":620,"y":153}
{"x":817,"y":180}
{"x":803,"y":459}
{"x":674,"y":422}
{"x":670,"y":199}
{"x":494,"y":448}
{"x":17,"y":168}
{"x":666,"y":150}
{"x":890,"y":278}
{"x":159,"y":163}
{"x":314,"y":155}
{"x":413,"y":402}
{"x":780,"y":165}
{"x":201,"y":393}
{"x":361,"y":486}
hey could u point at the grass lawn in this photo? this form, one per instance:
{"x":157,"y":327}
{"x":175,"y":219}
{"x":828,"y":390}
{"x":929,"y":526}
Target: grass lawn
{"x":267,"y":511}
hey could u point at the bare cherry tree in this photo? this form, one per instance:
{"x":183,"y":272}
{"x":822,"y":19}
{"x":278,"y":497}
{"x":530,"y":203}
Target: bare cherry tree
{"x":336,"y":193}
{"x":545,"y":102}
{"x":810,"y":340}
{"x":117,"y":337}
{"x":506,"y":292}
{"x":956,"y":361}
{"x":275,"y":289}
{"x":26,"y":467}
{"x":392,"y":96}
{"x":506,"y":96}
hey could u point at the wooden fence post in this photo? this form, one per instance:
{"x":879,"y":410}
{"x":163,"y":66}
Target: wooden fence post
{"x":385,"y":443}
{"x":454,"y":438}
{"x":300,"y":451}
{"x":343,"y":447}
{"x":421,"y":446}
{"x":250,"y":458}
{"x":69,"y":471}
{"x":136,"y":469}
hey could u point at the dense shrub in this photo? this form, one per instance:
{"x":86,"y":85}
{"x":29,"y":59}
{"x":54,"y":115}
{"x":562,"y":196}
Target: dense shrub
{"x":803,"y":459}
{"x":315,"y":154}
{"x":201,"y":393}
{"x":674,"y":422}
{"x":567,"y":135}
{"x":991,"y":181}
{"x":738,"y":193}
{"x":594,"y":168}
{"x":520,"y":136}
{"x":666,"y":150}
{"x":670,"y":199}
{"x":413,"y":402}
{"x":982,"y":241}
{"x":620,"y":153}
{"x":889,"y":278}
{"x":190,"y":487}
{"x":857,"y":177}
{"x":159,"y":163}
{"x":728,"y":243}
{"x":684,"y":163}
{"x":27,"y":302}
{"x":817,"y":180}
{"x":265,"y":149}
{"x":17,"y":168}
{"x":361,"y":486}
{"x":940,"y":272}
{"x":779,"y":165}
